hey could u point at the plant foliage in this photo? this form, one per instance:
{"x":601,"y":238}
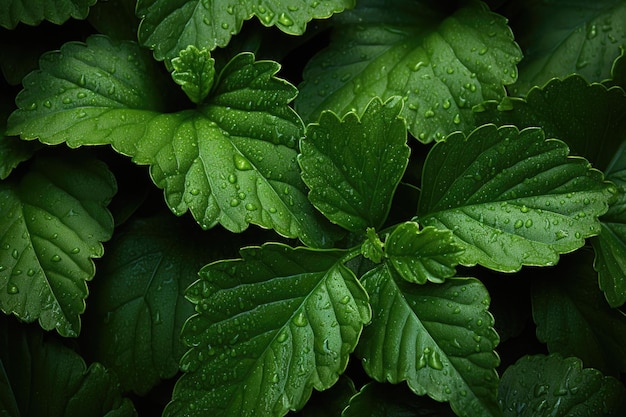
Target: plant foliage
{"x":328,"y":208}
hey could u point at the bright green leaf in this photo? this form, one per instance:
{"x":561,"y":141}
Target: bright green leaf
{"x":558,"y":387}
{"x":442,"y":64}
{"x":33,"y":12}
{"x":386,"y":400}
{"x":437,"y":337}
{"x":353,"y":165}
{"x":571,"y":36}
{"x":194,"y":71}
{"x":373,"y":247}
{"x":168,"y":26}
{"x":422,"y":255}
{"x":510,"y":197}
{"x":54,"y":219}
{"x":138,"y":306}
{"x":270,"y":327}
{"x":590,"y":118}
{"x":47,"y":379}
{"x":231,"y":161}
{"x":574,"y":319}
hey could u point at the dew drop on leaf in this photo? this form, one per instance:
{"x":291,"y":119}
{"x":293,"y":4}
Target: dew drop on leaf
{"x":300,"y":320}
{"x":12,"y":289}
{"x":55,"y":258}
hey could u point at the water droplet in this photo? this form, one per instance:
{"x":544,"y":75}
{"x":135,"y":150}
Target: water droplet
{"x":429,"y":113}
{"x":55,"y":258}
{"x":194,"y":191}
{"x":483,"y":51}
{"x":12,"y":289}
{"x":232,"y":178}
{"x":241,"y":163}
{"x":224,"y":26}
{"x":529,"y":223}
{"x":282,"y":337}
{"x":285,"y":20}
{"x":300,"y":320}
{"x":592,"y":31}
{"x":82,"y":81}
{"x":30,"y":272}
{"x":446,"y":104}
{"x":250,"y":207}
{"x":234,"y":202}
{"x":418,"y":66}
{"x":47,"y":104}
{"x":345,"y":300}
{"x":457,"y":119}
{"x":67,"y":100}
{"x":518,"y":224}
{"x":15,"y":254}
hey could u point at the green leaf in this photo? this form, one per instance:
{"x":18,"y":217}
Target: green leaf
{"x":12,"y":150}
{"x":170,"y":26}
{"x":270,"y":327}
{"x":555,"y":386}
{"x":618,"y":72}
{"x":194,"y":71}
{"x":590,"y":118}
{"x":441,"y":64}
{"x":510,"y":197}
{"x":373,"y":247}
{"x":231,"y":161}
{"x":386,"y":400}
{"x":437,"y":337}
{"x":353,"y":165}
{"x":33,"y":13}
{"x":571,"y":36}
{"x":574,"y":319}
{"x":422,"y":255}
{"x":47,"y":379}
{"x":54,"y":219}
{"x":135,"y":323}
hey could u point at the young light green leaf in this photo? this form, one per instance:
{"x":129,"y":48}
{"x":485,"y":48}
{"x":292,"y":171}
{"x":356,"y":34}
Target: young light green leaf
{"x":555,"y":386}
{"x":54,"y":219}
{"x":194,"y":71}
{"x":353,"y":165}
{"x":373,"y":247}
{"x":574,"y":319}
{"x":590,"y":118}
{"x":163,"y":258}
{"x":386,"y":400}
{"x":441,"y":64}
{"x":422,"y":255}
{"x":230,"y":161}
{"x":33,"y":13}
{"x":571,"y":37}
{"x":170,"y":26}
{"x":510,"y":197}
{"x":437,"y":337}
{"x":46,"y":379}
{"x":270,"y":327}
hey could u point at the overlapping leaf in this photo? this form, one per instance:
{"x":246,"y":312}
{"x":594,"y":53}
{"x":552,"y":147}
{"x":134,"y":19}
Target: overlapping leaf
{"x":46,"y":379}
{"x":194,"y":71}
{"x":555,"y":386}
{"x":170,"y":26}
{"x":574,"y":319}
{"x":353,"y":165}
{"x":437,"y":337}
{"x":511,"y":197}
{"x":270,"y":327}
{"x":571,"y":37}
{"x":230,"y":161}
{"x":54,"y":219}
{"x":442,"y":65}
{"x":33,"y":12}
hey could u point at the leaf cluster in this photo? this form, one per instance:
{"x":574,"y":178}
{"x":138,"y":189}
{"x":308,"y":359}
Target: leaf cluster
{"x":312,"y":208}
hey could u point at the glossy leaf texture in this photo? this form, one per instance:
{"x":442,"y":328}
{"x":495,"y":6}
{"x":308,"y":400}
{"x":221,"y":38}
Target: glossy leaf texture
{"x":170,"y":26}
{"x":574,"y":319}
{"x":386,"y":400}
{"x":551,"y":385}
{"x":42,"y":378}
{"x":439,"y":338}
{"x":510,"y":197}
{"x":571,"y":37}
{"x":270,"y":327}
{"x":591,"y":119}
{"x":33,"y":12}
{"x":194,"y":71}
{"x":138,"y":306}
{"x":231,"y":161}
{"x":441,"y":64}
{"x":54,"y":220}
{"x":353,"y":164}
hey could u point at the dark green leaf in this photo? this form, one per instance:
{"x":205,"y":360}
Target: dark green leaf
{"x":47,"y":379}
{"x":54,"y":219}
{"x":270,"y":327}
{"x":538,"y":386}
{"x":194,"y":71}
{"x":574,"y":319}
{"x":353,"y":165}
{"x":511,"y":197}
{"x":618,"y":72}
{"x":386,"y":400}
{"x":437,"y":337}
{"x":330,"y":403}
{"x":571,"y":36}
{"x":168,"y":26}
{"x":441,"y":64}
{"x":115,"y":18}
{"x":33,"y":12}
